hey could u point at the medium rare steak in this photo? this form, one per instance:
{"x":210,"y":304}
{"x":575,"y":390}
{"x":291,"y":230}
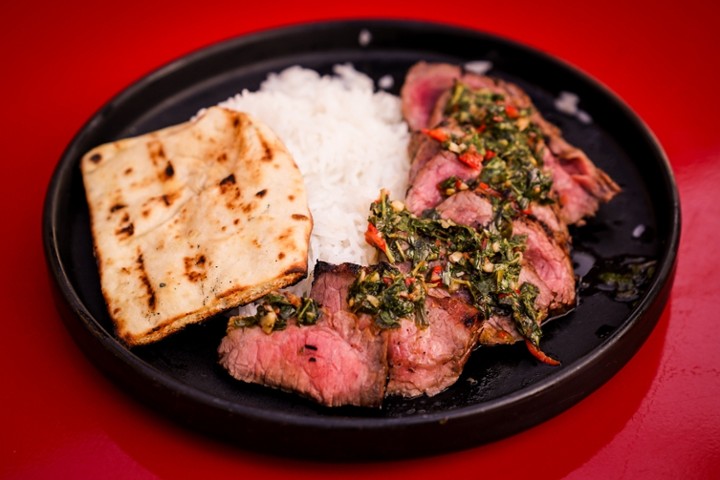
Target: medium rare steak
{"x":579,"y":184}
{"x":335,"y":362}
{"x":467,"y":208}
{"x":345,"y":359}
{"x":428,"y":360}
{"x":340,"y":360}
{"x":550,"y":261}
{"x":422,"y":149}
{"x":424,"y":192}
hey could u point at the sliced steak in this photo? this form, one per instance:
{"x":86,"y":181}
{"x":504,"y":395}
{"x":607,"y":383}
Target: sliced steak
{"x":422,"y":149}
{"x":549,"y":218}
{"x":331,"y":284}
{"x":424,"y":84}
{"x":317,"y":361}
{"x":466,"y":208}
{"x":580,"y":185}
{"x":424,"y":92}
{"x":424,"y":192}
{"x":341,"y":360}
{"x":429,"y":360}
{"x":550,"y":261}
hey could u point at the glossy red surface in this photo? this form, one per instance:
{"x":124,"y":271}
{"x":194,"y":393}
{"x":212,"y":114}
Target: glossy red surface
{"x":658,"y":418}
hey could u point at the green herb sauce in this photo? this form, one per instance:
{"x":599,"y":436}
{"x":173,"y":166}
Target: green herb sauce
{"x":434,"y":252}
{"x":275,"y":309}
{"x":486,"y":131}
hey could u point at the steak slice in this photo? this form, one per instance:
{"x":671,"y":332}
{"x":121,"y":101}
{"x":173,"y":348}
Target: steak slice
{"x":466,"y":208}
{"x":549,"y":217}
{"x":428,"y":360}
{"x":340,"y":360}
{"x":421,"y":150}
{"x":423,"y":86}
{"x":551,"y":263}
{"x":579,"y":184}
{"x":424,"y":192}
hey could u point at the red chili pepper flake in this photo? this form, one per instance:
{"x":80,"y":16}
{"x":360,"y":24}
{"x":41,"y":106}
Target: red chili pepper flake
{"x":472,"y":159}
{"x":540,"y":355}
{"x":511,"y":111}
{"x":489,"y":154}
{"x":373,"y":237}
{"x":436,"y":134}
{"x":487,"y":189}
{"x":435,"y":274}
{"x":481,"y":128}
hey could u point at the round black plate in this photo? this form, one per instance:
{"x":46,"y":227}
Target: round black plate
{"x":503,"y":390}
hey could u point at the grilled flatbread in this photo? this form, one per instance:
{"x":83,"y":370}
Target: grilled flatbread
{"x":194,"y":219}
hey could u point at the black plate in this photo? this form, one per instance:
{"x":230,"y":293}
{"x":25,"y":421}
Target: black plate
{"x":503,"y":390}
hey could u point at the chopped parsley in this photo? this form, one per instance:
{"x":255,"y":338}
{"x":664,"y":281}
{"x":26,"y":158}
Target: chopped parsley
{"x":275,"y":309}
{"x":501,"y":141}
{"x":432,"y":252}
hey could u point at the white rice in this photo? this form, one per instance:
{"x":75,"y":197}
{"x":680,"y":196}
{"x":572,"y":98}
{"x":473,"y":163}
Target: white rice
{"x":348,"y":140}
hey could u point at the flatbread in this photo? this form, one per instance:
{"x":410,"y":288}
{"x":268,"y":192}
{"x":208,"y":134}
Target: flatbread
{"x":194,"y":219}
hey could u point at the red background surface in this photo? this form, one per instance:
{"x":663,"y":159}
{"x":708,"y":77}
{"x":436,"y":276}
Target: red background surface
{"x":61,"y":418}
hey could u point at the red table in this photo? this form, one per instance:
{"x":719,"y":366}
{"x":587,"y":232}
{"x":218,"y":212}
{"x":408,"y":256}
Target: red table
{"x":659,"y":417}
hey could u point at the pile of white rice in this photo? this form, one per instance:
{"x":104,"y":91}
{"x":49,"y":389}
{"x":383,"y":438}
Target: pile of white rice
{"x":348,"y":140}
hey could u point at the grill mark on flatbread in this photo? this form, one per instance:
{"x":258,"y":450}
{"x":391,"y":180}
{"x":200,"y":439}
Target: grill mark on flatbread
{"x":195,"y":268}
{"x":261,"y":193}
{"x":169,"y":170}
{"x":156,"y":151}
{"x":227,"y":183}
{"x":296,"y":270}
{"x":299,"y":216}
{"x":126,"y":231}
{"x":116,"y":207}
{"x":231,"y":191}
{"x":95,"y":158}
{"x":267,"y":150}
{"x":151,"y":297}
